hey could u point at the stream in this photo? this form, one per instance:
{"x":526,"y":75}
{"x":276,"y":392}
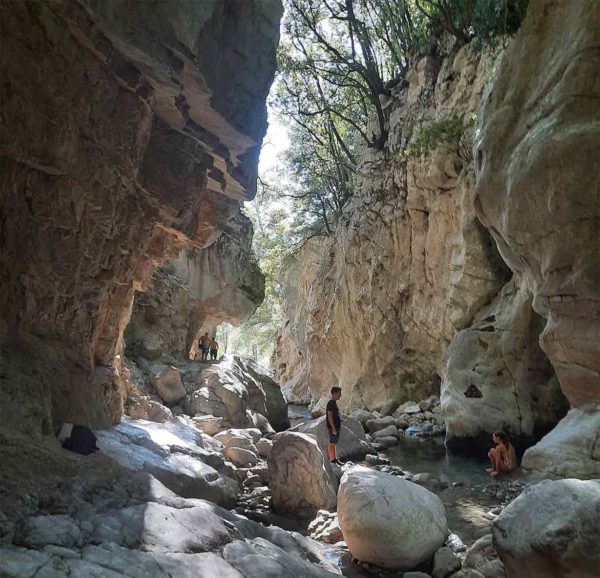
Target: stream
{"x":461,"y":482}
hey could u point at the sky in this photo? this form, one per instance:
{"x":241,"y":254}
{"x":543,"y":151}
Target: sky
{"x":276,"y":141}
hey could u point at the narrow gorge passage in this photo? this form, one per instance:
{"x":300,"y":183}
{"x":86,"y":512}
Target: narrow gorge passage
{"x":241,"y":238}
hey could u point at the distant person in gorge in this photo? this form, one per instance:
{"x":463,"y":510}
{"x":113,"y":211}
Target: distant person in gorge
{"x":503,"y":456}
{"x":204,"y":344}
{"x":214,"y":348}
{"x":334,"y":424}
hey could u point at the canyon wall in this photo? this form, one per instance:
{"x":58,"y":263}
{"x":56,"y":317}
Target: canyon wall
{"x":538,"y":193}
{"x":129,"y":132}
{"x":410,"y":268}
{"x":194,"y":293}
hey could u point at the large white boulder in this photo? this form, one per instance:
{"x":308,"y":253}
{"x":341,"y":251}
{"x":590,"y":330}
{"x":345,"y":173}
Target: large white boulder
{"x":302,"y":480}
{"x":551,"y":529}
{"x":571,"y":449}
{"x":173,"y":453}
{"x":389,"y":522}
{"x":353,"y":442}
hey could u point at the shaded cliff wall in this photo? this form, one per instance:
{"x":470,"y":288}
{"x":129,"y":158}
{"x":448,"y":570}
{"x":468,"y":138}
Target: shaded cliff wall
{"x":197,"y":291}
{"x":129,"y":130}
{"x":538,"y":192}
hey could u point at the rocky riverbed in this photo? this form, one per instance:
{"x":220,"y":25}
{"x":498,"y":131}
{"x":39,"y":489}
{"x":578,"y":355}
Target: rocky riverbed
{"x":166,"y":498}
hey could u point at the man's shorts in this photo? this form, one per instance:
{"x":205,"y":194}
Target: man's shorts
{"x":334,"y":439}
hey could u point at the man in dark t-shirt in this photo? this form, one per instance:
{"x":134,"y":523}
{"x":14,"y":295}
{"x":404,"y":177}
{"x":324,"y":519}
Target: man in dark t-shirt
{"x":334,"y":423}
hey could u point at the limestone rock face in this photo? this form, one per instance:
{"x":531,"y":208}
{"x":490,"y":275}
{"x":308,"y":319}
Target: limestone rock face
{"x":302,"y":481}
{"x":538,"y":191}
{"x":373,"y":307}
{"x":123,"y":145}
{"x":571,"y":449}
{"x":389,"y":522}
{"x":496,"y":376}
{"x":551,"y":529}
{"x":198,"y":290}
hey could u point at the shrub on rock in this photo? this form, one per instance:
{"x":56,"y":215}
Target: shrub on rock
{"x":389,"y":522}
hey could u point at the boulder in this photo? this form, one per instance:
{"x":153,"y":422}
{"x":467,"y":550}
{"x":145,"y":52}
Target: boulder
{"x":264,"y":447}
{"x":445,"y":563}
{"x":551,"y":529}
{"x":276,"y":404}
{"x":571,"y":449}
{"x":483,"y":558}
{"x":241,"y":438}
{"x":302,"y":480}
{"x":173,"y":453}
{"x":389,"y":407}
{"x":241,"y":457}
{"x":209,"y":424}
{"x":142,"y":407}
{"x":389,"y":522}
{"x":390,"y":430}
{"x":402,"y":407}
{"x":379,"y":423}
{"x":353,"y":442}
{"x":218,"y":392}
{"x":362,"y":416}
{"x":166,"y":380}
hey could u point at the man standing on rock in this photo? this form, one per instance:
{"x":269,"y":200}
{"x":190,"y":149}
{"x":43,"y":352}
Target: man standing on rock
{"x":204,"y":346}
{"x":334,"y":424}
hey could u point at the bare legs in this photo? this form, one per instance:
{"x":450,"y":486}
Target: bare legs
{"x":331,"y":452}
{"x":498,"y":465}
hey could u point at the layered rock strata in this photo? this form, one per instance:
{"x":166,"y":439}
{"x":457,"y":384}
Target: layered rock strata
{"x":128,"y":133}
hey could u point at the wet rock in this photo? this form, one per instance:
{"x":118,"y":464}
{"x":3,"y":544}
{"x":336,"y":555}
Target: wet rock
{"x":302,"y":480}
{"x":561,"y":539}
{"x":388,"y":521}
{"x":386,"y":441}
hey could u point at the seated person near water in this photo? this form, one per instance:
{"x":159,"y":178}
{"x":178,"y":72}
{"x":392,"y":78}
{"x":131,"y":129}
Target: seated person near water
{"x":503,"y":456}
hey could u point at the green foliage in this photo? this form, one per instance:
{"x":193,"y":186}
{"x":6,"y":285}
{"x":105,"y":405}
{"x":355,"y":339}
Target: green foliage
{"x":479,"y":20}
{"x":451,"y":132}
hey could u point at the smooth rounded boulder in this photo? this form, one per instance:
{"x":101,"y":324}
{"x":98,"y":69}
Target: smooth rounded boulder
{"x":302,"y":480}
{"x":551,"y":529}
{"x":389,"y":522}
